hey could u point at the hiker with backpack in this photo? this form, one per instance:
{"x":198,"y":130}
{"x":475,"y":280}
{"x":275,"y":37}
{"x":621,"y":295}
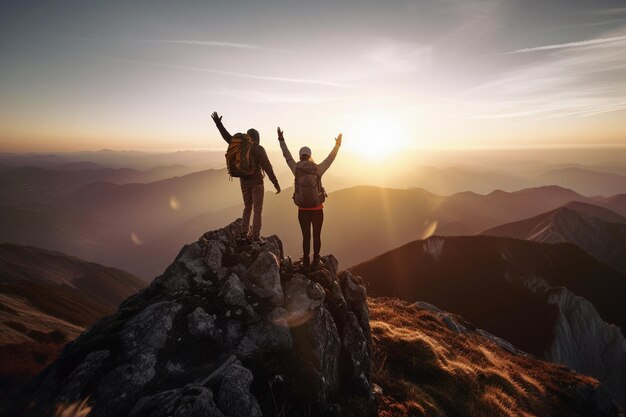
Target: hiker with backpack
{"x":309,"y":196}
{"x":247,"y":160}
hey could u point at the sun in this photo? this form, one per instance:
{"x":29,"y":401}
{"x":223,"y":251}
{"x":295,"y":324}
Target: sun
{"x":375,"y":135}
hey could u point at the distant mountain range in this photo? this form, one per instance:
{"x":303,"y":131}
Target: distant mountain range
{"x":107,"y":158}
{"x":553,"y":300}
{"x":137,"y":227}
{"x":39,"y":185}
{"x":362,"y":222}
{"x":46,"y":299}
{"x":585,"y":181}
{"x":599,"y":231}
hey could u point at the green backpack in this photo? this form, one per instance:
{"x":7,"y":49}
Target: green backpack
{"x":308,"y":191}
{"x":239,"y":159}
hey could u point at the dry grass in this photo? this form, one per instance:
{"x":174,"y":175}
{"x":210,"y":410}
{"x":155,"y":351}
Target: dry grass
{"x":426,"y":369}
{"x":78,"y":409}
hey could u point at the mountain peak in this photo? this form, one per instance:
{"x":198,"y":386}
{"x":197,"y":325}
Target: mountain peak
{"x":229,"y":328}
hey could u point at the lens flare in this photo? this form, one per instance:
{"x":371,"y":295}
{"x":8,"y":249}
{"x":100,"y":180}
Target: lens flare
{"x":174,"y":203}
{"x":135,"y":239}
{"x":429,"y":229}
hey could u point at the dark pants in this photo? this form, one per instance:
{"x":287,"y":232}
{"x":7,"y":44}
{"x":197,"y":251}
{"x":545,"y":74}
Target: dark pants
{"x":306,"y":219}
{"x":252,"y":199}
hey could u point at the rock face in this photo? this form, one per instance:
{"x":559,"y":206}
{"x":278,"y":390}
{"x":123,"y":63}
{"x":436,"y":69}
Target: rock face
{"x":578,"y":330}
{"x":228,"y":330}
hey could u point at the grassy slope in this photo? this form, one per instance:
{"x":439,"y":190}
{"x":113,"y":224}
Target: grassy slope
{"x":427,"y":369}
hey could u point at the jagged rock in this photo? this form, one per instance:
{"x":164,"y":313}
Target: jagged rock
{"x":223,"y":319}
{"x":302,"y":296}
{"x":202,"y":325}
{"x":263,"y":278}
{"x":234,"y":396}
{"x":233,"y":291}
{"x":317,"y":346}
{"x":452,"y":324}
{"x":500,"y":342}
{"x":322,"y":277}
{"x":264,"y":338}
{"x":427,"y":306}
{"x":149,"y":329}
{"x":273,"y":245}
{"x":127,"y":381}
{"x":355,"y":344}
{"x":214,"y":252}
{"x":82,"y":375}
{"x":356,"y":298}
{"x":578,"y":328}
{"x":331,"y":264}
{"x":192,"y":401}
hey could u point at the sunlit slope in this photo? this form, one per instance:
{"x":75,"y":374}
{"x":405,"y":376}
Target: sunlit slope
{"x":433,"y":363}
{"x":46,"y":299}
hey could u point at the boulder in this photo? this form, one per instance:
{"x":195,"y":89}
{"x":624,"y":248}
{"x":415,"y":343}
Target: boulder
{"x":234,"y":397}
{"x":263,"y":278}
{"x":191,"y":401}
{"x":202,"y":325}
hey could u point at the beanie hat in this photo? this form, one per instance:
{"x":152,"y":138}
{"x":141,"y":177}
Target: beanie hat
{"x":305,"y":150}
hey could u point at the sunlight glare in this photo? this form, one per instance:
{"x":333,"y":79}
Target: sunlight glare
{"x":375,"y":135}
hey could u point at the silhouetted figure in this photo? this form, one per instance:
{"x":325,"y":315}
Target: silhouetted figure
{"x":309,"y":196}
{"x":252,"y":187}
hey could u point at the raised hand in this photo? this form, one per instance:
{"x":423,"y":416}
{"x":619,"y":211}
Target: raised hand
{"x":280,"y":134}
{"x":216,"y":117}
{"x":338,"y":139}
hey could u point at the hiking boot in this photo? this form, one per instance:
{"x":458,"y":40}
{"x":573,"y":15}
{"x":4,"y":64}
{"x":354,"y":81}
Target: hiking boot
{"x":306,"y":262}
{"x":244,"y":240}
{"x":317,"y":263}
{"x":258,"y":240}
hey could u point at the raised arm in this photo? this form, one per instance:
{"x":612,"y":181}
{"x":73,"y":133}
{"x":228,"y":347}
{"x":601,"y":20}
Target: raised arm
{"x":283,"y":146}
{"x":325,"y":164}
{"x":218,"y":122}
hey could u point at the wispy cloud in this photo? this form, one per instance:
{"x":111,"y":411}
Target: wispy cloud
{"x":222,"y":72}
{"x":400,"y":57}
{"x":569,"y":45}
{"x":610,"y":11}
{"x":188,"y":42}
{"x":272,"y":98}
{"x":583,"y":81}
{"x":587,"y":24}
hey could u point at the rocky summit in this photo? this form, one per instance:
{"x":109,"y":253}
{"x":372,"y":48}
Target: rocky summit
{"x":230,"y":329}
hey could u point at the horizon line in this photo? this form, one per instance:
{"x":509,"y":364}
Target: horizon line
{"x":431,"y":149}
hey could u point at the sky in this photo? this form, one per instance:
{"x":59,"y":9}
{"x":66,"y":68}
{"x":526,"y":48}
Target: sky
{"x":390,"y":75}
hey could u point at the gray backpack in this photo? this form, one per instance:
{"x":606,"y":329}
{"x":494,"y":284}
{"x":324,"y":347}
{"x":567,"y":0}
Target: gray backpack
{"x":308,"y":191}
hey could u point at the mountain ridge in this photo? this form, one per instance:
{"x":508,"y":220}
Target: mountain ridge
{"x":597,"y":230}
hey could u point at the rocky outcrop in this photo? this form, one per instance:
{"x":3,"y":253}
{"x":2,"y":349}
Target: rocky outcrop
{"x":587,"y":343}
{"x":228,"y":330}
